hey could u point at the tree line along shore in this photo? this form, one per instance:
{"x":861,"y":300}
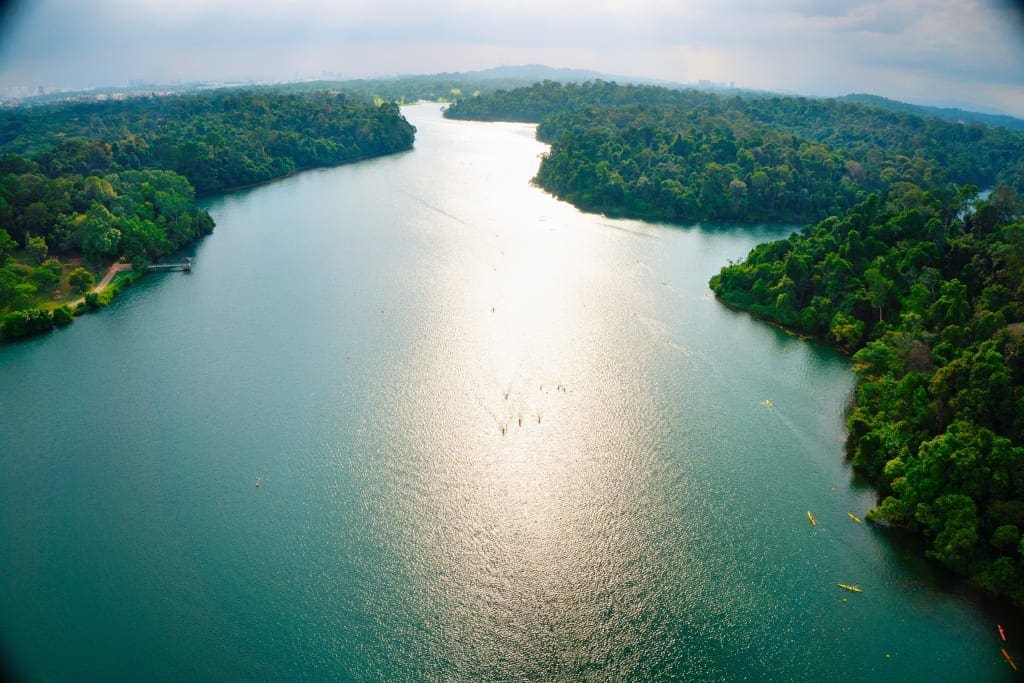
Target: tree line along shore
{"x":83,"y":185}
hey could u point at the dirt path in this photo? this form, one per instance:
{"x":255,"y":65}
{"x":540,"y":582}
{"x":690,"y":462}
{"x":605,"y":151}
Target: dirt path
{"x":111,"y":272}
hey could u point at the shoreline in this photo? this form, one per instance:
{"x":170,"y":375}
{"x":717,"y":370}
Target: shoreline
{"x":112,"y":271}
{"x":77,"y":306}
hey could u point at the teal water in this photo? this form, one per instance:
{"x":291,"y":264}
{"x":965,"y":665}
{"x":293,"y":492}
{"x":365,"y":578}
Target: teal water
{"x":495,"y":439}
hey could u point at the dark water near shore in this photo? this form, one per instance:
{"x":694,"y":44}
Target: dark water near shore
{"x":495,"y":439}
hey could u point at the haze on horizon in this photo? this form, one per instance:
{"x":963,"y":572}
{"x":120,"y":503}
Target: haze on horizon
{"x":966,"y":53}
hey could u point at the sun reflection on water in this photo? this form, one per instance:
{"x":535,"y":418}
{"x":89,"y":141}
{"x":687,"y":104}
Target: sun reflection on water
{"x":527,"y":441}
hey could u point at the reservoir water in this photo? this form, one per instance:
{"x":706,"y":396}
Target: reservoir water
{"x":414,"y":419}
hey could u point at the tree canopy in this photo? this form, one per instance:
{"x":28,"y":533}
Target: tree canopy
{"x":107,"y":180}
{"x":933,"y":312}
{"x":218,"y":140}
{"x":682,"y":155}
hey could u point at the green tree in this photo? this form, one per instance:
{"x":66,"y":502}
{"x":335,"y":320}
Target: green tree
{"x":36,"y":249}
{"x":98,"y":235}
{"x":47,"y":276}
{"x":847,"y":331}
{"x":1006,"y":538}
{"x":25,"y":323}
{"x":62,"y":316}
{"x":952,"y":308}
{"x":954,"y":521}
{"x":81,"y":279}
{"x":7,"y":245}
{"x":880,"y":288}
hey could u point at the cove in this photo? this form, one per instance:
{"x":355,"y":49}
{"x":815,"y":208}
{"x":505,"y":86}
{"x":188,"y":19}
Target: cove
{"x":495,"y":438}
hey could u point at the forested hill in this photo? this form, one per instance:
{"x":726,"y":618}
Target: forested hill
{"x":92,"y":183}
{"x":218,"y":140}
{"x":932,"y":304}
{"x":531,"y":104}
{"x":655,"y":153}
{"x":444,"y":87}
{"x":946,"y":113}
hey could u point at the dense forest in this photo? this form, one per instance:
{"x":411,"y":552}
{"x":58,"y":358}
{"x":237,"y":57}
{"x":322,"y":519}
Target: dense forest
{"x":218,"y":140}
{"x":662,"y":154}
{"x":945,"y":113}
{"x":903,"y":267}
{"x":930,"y":301}
{"x":533,"y":103}
{"x":92,"y":183}
{"x":442,"y":87}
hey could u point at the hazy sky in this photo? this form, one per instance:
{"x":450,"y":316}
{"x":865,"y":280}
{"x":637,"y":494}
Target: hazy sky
{"x":936,"y":52}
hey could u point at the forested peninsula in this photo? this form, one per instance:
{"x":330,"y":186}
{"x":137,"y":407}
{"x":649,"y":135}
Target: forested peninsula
{"x":902,"y":266}
{"x":682,"y":155}
{"x":83,"y":185}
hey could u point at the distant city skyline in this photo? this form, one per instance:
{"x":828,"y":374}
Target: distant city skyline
{"x":963,"y":53}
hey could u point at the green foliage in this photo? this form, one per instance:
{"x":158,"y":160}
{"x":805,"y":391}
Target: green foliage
{"x":25,"y":323}
{"x":1006,"y":538}
{"x":47,"y":275}
{"x":81,"y":279}
{"x":846,"y":331}
{"x":120,"y":282}
{"x":953,"y":521}
{"x":62,"y":316}
{"x":931,"y":314}
{"x":119,"y":179}
{"x":948,"y":114}
{"x":36,"y":249}
{"x":683,"y":155}
{"x":7,"y":245}
{"x":218,"y":141}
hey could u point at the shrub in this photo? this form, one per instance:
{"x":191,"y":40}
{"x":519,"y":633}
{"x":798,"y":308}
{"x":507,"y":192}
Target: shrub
{"x":81,"y":279}
{"x":24,"y":323}
{"x":62,"y":316}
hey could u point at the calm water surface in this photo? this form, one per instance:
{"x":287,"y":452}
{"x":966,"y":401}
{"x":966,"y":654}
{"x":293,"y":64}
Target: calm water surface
{"x":495,"y":439}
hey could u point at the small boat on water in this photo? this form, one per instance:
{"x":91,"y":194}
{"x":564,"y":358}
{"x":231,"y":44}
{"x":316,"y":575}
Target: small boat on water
{"x":814,"y":522}
{"x":1002,"y":633}
{"x":1009,"y":660}
{"x":854,"y":517}
{"x":850,"y":587}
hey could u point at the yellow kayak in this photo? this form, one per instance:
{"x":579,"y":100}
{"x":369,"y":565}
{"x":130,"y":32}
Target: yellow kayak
{"x":814,"y":522}
{"x":854,"y":517}
{"x":849,"y":587}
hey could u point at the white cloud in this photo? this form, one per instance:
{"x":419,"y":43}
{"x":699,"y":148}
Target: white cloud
{"x":928,"y":50}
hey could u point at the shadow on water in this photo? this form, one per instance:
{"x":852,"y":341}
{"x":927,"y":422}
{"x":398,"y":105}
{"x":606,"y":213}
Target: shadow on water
{"x":780,"y":338}
{"x":907,"y":552}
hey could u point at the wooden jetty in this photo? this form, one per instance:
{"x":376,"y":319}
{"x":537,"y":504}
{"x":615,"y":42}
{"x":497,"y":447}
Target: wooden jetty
{"x":185,"y":265}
